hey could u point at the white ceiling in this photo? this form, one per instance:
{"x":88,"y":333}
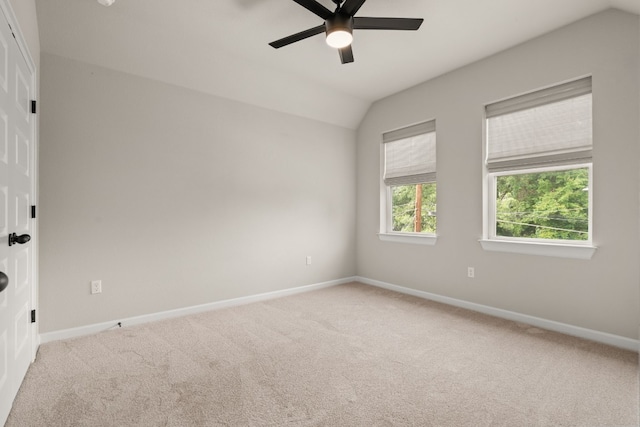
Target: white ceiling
{"x":220,"y":46}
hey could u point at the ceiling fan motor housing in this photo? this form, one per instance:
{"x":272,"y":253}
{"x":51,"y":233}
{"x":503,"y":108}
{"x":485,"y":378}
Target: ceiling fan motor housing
{"x":339,"y":22}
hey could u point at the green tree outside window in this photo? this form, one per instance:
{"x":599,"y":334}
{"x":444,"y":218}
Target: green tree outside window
{"x":404,"y":208}
{"x":544,"y":205}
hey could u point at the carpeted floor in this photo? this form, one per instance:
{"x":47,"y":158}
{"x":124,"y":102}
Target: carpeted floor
{"x":350,"y":355}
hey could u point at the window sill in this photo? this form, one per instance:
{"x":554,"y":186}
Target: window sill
{"x":412,"y":238}
{"x":539,"y":248}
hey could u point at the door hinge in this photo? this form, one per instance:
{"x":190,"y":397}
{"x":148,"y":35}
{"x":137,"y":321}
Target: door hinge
{"x":33,"y":316}
{"x":33,"y":107}
{"x":33,"y":211}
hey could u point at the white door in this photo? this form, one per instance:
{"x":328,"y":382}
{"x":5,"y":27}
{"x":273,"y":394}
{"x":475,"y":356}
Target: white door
{"x":16,"y":177}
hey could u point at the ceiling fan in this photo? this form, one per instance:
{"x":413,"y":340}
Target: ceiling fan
{"x":339,"y":25}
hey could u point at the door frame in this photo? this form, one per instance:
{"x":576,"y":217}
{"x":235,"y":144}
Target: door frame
{"x":7,"y":10}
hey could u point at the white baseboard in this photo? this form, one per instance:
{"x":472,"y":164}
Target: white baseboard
{"x":602,"y":337}
{"x":100,"y":327}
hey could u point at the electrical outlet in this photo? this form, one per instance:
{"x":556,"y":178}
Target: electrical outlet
{"x":471,"y":272}
{"x":308,"y":260}
{"x":96,"y":286}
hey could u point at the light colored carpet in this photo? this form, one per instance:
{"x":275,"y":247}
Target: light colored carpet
{"x":350,"y":355}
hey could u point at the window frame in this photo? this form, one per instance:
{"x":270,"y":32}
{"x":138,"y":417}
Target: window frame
{"x":386,"y":232}
{"x":576,"y":249}
{"x":492,"y":178}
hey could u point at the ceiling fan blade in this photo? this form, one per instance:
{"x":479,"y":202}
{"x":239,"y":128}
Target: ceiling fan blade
{"x":298,"y":36}
{"x":315,"y":7}
{"x":364,"y":23}
{"x":346,"y":54}
{"x":350,"y":7}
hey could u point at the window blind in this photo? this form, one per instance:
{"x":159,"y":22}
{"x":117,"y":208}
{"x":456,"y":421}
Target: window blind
{"x":544,"y":128}
{"x":410,"y":155}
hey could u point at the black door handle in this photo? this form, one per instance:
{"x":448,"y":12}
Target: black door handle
{"x":4,"y":281}
{"x":14,"y":238}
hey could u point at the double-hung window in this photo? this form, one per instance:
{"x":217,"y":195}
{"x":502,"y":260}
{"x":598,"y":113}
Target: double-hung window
{"x":539,"y":168}
{"x":410,"y":181}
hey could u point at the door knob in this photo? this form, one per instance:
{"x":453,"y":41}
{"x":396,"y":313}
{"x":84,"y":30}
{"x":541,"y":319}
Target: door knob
{"x":14,"y":238}
{"x":4,"y":281}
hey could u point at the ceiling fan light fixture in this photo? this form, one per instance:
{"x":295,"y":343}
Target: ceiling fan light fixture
{"x":339,"y":31}
{"x":339,"y":39}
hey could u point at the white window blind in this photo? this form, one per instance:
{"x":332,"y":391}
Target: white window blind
{"x":544,"y":128}
{"x":410,"y":155}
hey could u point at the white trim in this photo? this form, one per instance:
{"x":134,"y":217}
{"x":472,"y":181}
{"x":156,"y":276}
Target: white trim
{"x":413,"y":238}
{"x":577,"y":331}
{"x":560,"y":250}
{"x":602,"y":337}
{"x":217,"y":305}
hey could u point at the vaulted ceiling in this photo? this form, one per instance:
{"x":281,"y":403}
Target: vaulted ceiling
{"x":221,"y":46}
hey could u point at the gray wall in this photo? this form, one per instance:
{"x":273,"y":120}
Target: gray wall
{"x":175,"y":198}
{"x":600,"y":294}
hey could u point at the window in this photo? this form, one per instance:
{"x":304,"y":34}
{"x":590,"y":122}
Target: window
{"x":539,"y":168}
{"x":410,"y":181}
